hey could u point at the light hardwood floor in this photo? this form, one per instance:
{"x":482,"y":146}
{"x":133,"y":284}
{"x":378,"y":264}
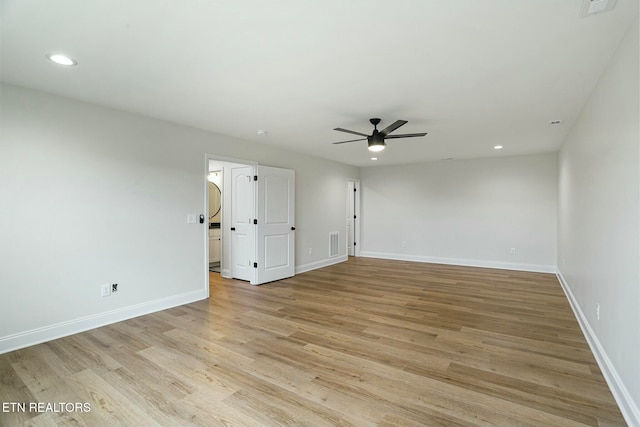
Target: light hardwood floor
{"x":365,"y":342}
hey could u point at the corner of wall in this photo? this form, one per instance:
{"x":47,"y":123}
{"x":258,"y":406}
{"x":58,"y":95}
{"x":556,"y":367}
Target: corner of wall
{"x":320,"y":264}
{"x":623,"y":398}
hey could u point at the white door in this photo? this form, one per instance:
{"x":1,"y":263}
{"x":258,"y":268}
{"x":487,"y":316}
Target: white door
{"x":351,"y":212}
{"x":353,"y":218}
{"x":243,"y":241}
{"x":276,"y":224}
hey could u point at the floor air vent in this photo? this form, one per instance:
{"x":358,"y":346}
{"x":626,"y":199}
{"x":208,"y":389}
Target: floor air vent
{"x":334,"y":250}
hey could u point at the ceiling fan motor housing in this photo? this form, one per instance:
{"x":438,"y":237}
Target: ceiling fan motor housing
{"x":376,"y":139}
{"x":376,"y":142}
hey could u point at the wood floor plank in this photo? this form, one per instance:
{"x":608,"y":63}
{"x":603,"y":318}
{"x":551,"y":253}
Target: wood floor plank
{"x":13,"y":390}
{"x":110,"y":405}
{"x":360,"y":343}
{"x":198,"y":409}
{"x":427,"y":395}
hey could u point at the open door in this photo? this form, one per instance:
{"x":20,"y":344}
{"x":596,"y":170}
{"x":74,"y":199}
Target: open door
{"x":276,"y":224}
{"x":353,"y":218}
{"x":243,"y":240}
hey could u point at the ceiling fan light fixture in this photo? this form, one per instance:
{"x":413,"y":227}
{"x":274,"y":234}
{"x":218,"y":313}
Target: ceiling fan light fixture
{"x":376,"y":147}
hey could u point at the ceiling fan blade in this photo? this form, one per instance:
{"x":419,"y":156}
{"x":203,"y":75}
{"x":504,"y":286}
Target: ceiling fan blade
{"x":405,"y":135}
{"x":393,"y":127}
{"x":352,"y":140}
{"x":351,"y":131}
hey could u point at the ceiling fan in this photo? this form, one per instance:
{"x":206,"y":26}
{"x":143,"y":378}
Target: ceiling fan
{"x":376,"y":140}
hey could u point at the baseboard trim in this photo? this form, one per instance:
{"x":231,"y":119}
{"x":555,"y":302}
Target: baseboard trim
{"x":627,"y":406}
{"x":63,"y":329}
{"x":304,"y":267}
{"x":320,"y":264}
{"x":464,"y":262}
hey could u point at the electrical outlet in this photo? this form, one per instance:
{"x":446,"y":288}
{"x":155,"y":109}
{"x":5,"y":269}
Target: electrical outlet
{"x":597,"y":311}
{"x":191,"y":218}
{"x":114,"y":287}
{"x":512,"y":251}
{"x":403,"y":244}
{"x":310,"y":251}
{"x":106,"y":290}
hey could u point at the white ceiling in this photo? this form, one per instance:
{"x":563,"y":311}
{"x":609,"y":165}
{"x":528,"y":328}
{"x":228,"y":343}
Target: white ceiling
{"x":471,"y":73}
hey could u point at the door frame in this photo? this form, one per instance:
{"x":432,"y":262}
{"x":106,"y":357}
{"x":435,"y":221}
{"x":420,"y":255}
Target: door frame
{"x":224,"y":226}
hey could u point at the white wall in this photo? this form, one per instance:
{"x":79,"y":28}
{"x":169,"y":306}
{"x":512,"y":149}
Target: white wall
{"x":90,"y":196}
{"x":599,"y":218}
{"x":467,"y":212}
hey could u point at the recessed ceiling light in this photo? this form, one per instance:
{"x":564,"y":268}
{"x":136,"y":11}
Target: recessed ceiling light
{"x":374,"y":158}
{"x":262,"y":132}
{"x":498,"y":147}
{"x":61,"y":59}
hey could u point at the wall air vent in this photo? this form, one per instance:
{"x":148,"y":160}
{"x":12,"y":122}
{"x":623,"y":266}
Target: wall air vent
{"x":334,"y":249}
{"x":594,"y":7}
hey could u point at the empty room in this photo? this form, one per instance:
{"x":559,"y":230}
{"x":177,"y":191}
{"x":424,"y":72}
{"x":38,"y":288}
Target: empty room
{"x":305,"y":213}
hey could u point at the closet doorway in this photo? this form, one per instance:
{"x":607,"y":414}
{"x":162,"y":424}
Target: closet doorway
{"x":220,"y":246}
{"x":214,"y":181}
{"x":254,"y":233}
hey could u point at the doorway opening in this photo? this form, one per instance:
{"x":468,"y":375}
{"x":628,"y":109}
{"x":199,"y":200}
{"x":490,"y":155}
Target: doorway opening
{"x":215,"y":185}
{"x":252,"y":237}
{"x":353,"y":217}
{"x":220,"y":247}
